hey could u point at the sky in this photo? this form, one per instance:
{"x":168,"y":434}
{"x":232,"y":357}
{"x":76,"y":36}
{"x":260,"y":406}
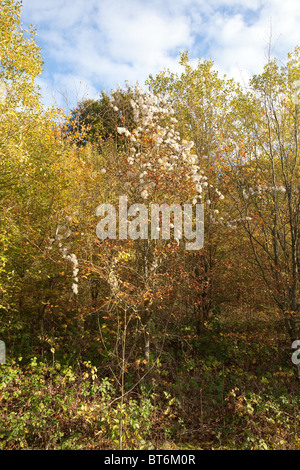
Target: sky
{"x":94,"y":45}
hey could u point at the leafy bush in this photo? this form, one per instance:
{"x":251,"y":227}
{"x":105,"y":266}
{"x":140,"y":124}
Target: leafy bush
{"x":53,"y":407}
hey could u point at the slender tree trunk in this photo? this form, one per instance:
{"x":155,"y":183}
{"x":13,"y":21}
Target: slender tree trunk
{"x":147,"y":341}
{"x":146,"y":314}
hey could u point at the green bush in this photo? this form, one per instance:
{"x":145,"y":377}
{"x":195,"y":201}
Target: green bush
{"x":53,"y":407}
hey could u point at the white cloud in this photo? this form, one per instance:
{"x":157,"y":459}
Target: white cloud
{"x":103,"y":42}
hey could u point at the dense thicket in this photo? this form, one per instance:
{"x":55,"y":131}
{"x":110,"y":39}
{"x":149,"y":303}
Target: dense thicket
{"x":150,"y":326}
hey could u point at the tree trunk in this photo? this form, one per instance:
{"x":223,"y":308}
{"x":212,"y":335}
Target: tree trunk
{"x":147,"y":342}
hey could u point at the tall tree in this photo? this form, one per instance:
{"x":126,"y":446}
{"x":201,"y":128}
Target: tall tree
{"x":33,"y":175}
{"x":201,"y":101}
{"x":96,"y":121}
{"x":263,"y":152}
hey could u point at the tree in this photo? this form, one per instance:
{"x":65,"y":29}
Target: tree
{"x":263,"y":157}
{"x":201,"y":102}
{"x":96,"y":121}
{"x":155,"y":167}
{"x":34,"y":179}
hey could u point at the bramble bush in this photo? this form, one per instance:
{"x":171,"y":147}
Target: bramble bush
{"x":53,"y":407}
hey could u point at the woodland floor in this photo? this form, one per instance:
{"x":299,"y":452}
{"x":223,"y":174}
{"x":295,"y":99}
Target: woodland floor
{"x":233,"y":387}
